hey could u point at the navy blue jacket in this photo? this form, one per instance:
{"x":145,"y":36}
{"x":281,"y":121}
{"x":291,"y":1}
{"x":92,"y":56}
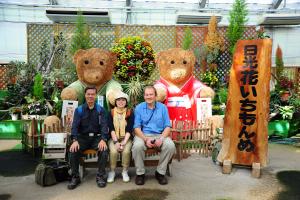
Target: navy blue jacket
{"x":90,"y":121}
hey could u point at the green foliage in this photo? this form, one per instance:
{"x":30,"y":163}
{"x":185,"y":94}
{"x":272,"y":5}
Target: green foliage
{"x":294,"y":101}
{"x":261,"y":34}
{"x":237,"y":21}
{"x":60,"y":55}
{"x":35,"y":107}
{"x":44,"y":56}
{"x":13,"y":98}
{"x":81,"y":38}
{"x":286,"y":112}
{"x":135,"y":90}
{"x":135,"y":56}
{"x":275,"y":101}
{"x":210,"y":79}
{"x":38,"y":88}
{"x":222,"y":94}
{"x":12,"y":71}
{"x":187,"y":39}
{"x":24,"y":73}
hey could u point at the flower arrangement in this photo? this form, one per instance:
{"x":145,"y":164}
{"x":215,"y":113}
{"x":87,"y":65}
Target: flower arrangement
{"x":135,"y":57}
{"x":36,"y":108}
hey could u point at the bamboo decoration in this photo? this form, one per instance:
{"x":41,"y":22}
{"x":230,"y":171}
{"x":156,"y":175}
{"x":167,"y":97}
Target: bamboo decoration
{"x":245,"y":139}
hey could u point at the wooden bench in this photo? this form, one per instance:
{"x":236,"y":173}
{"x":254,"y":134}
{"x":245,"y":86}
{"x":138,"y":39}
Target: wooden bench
{"x":187,"y":135}
{"x":90,"y":161}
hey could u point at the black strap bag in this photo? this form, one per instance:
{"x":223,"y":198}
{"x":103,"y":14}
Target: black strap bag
{"x":50,"y":173}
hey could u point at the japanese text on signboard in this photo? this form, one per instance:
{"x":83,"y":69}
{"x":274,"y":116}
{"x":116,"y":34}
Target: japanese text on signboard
{"x":249,"y":79}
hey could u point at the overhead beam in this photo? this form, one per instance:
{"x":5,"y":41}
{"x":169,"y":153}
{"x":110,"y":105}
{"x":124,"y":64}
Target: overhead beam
{"x":128,"y":11}
{"x":275,"y":4}
{"x":202,"y":3}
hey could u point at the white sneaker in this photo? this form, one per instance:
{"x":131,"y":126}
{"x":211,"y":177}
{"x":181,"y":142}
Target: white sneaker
{"x":125,"y":176}
{"x":111,"y":176}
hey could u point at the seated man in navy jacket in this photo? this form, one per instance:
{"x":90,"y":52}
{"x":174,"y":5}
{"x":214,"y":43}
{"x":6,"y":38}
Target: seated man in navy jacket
{"x":89,"y":131}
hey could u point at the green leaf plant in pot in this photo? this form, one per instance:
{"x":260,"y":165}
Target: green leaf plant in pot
{"x":281,"y":127}
{"x":15,"y":112}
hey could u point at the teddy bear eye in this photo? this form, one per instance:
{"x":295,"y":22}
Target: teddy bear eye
{"x":184,"y":62}
{"x":86,"y":62}
{"x":172,"y":62}
{"x":101,"y":63}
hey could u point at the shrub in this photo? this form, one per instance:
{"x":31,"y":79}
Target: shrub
{"x":187,"y":39}
{"x":81,"y":38}
{"x":237,"y":21}
{"x":38,"y":91}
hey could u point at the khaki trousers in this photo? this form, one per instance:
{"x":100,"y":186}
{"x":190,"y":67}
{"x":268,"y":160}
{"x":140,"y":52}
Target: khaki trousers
{"x":166,"y":154}
{"x":113,"y":155}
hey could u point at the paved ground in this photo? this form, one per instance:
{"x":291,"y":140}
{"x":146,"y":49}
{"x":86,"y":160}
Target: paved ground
{"x":196,"y":178}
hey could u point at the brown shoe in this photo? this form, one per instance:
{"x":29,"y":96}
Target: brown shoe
{"x":140,"y":179}
{"x":161,"y":178}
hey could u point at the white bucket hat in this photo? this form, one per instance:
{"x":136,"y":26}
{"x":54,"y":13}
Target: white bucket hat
{"x":121,"y":95}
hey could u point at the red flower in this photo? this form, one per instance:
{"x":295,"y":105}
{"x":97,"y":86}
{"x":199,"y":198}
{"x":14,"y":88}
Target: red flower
{"x":129,"y":47}
{"x":124,"y":62}
{"x":286,"y":83}
{"x":130,"y":74}
{"x":131,"y":68}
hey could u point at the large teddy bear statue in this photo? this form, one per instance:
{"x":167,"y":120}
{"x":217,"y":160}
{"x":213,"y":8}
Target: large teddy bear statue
{"x":94,"y":68}
{"x":177,"y":87}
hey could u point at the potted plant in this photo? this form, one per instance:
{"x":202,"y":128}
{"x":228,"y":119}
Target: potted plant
{"x":134,"y":89}
{"x":34,"y":108}
{"x":281,"y":126}
{"x":15,"y":112}
{"x":219,"y":102}
{"x":36,"y":103}
{"x":285,"y":87}
{"x":294,"y":101}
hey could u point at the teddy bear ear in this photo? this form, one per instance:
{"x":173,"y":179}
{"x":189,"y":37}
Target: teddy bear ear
{"x":77,"y":54}
{"x":113,"y":57}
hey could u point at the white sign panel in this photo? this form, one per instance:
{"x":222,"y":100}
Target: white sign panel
{"x":67,"y":112}
{"x":204,"y":109}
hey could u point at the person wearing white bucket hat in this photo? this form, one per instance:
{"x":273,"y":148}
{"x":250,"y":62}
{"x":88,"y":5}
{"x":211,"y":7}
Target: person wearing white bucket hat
{"x":120,"y":122}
